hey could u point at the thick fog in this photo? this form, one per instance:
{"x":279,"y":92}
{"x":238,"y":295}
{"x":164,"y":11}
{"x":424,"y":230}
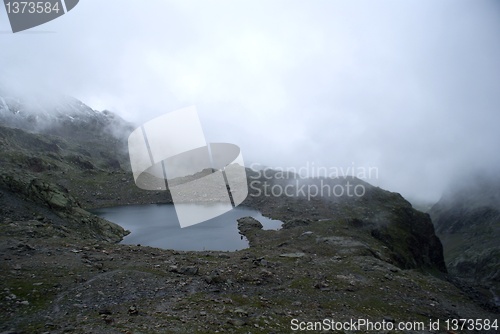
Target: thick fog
{"x":410,"y":88}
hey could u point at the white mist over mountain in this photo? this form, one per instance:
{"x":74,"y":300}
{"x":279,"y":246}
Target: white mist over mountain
{"x":409,"y":88}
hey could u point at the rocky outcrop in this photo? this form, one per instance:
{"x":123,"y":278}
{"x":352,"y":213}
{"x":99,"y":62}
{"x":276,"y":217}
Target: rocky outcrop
{"x":57,"y":199}
{"x":247,"y":225}
{"x":54,"y":196}
{"x":249,"y":228}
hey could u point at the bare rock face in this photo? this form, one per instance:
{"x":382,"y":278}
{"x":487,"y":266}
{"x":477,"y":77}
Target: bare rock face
{"x":54,"y":196}
{"x":57,"y":199}
{"x":409,"y":235}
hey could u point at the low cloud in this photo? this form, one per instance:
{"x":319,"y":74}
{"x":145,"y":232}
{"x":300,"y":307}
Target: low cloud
{"x":407,"y":87}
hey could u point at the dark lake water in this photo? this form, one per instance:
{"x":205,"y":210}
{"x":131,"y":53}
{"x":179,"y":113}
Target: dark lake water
{"x":157,"y":225}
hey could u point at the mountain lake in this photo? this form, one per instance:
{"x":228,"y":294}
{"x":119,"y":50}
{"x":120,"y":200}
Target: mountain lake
{"x":157,"y":225}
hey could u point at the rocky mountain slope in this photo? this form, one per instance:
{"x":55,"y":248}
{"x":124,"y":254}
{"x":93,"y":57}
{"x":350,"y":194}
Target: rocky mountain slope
{"x":407,"y":234}
{"x":62,"y":116}
{"x":68,"y":143}
{"x":467,"y":220}
{"x":41,"y":147}
{"x":341,"y":257}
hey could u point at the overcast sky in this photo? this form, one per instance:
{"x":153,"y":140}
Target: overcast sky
{"x":409,"y":87}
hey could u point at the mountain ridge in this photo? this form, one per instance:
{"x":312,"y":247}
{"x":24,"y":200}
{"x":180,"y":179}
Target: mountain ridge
{"x":63,"y":116}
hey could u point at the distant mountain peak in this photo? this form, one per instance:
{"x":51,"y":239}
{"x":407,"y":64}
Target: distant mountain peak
{"x":60,"y":115}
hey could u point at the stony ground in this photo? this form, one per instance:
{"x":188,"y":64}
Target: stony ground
{"x":55,"y":283}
